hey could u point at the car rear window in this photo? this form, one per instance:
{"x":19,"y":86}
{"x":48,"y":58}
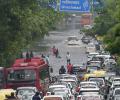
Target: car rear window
{"x":91,"y":98}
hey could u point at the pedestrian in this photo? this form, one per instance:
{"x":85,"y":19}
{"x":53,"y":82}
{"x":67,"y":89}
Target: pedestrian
{"x":56,"y":53}
{"x":36,"y":96}
{"x":68,"y":57}
{"x":69,"y":68}
{"x":53,"y":50}
{"x":21,"y":55}
{"x":27,"y":55}
{"x":31,"y":54}
{"x":42,"y":55}
{"x":62,"y":70}
{"x":47,"y":59}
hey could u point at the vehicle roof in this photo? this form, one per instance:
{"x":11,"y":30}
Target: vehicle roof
{"x":87,"y":82}
{"x":53,"y":86}
{"x":53,"y":96}
{"x":26,"y":88}
{"x":89,"y":89}
{"x":117,"y":88}
{"x":92,"y":53}
{"x":71,"y":80}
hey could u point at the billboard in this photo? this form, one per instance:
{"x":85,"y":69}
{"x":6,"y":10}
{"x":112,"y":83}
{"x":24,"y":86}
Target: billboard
{"x":75,"y":5}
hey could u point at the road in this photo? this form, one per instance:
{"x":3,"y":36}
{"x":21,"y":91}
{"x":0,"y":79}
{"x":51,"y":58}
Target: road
{"x":58,"y":39}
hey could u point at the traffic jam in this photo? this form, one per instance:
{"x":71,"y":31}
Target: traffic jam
{"x":29,"y":78}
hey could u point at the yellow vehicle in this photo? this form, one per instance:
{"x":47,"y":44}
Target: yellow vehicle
{"x":4,"y":92}
{"x":99,"y":73}
{"x":86,"y":76}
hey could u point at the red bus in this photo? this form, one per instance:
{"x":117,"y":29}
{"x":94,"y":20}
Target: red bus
{"x":2,"y":78}
{"x":28,"y":72}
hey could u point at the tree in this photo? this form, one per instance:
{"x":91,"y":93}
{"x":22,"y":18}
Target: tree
{"x":21,"y":22}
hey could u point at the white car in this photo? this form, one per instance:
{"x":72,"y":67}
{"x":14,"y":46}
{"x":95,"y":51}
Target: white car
{"x":88,"y":84}
{"x":91,"y":96}
{"x":68,"y":76}
{"x":116,"y":94}
{"x":65,"y":92}
{"x":99,"y":80}
{"x":91,"y":55}
{"x":73,"y":40}
{"x":26,"y":93}
{"x":90,"y":48}
{"x":54,"y":97}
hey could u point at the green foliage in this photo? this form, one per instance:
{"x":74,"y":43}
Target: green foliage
{"x":21,"y":23}
{"x":108,"y":23}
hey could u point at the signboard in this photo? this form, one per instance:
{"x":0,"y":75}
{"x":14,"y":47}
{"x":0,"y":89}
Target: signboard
{"x":75,"y":5}
{"x":53,"y":4}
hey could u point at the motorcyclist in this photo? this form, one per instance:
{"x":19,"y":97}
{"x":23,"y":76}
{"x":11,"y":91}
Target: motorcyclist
{"x":62,"y":70}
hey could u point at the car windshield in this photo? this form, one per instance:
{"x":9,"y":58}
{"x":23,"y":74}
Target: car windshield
{"x":72,"y":38}
{"x":53,"y":98}
{"x":91,"y":98}
{"x":25,"y":91}
{"x":67,"y":77}
{"x":21,"y":75}
{"x":117,"y":80}
{"x":117,"y":92}
{"x":100,"y":81}
{"x":87,"y":84}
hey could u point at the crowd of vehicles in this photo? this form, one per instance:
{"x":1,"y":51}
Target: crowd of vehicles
{"x":93,"y":80}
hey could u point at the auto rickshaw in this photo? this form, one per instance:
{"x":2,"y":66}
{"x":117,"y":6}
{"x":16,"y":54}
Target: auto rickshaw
{"x":5,"y":92}
{"x":86,"y":76}
{"x":100,"y":73}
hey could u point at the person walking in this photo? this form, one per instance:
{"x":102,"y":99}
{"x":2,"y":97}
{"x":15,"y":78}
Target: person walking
{"x":53,"y":50}
{"x":47,"y":59}
{"x":31,"y":54}
{"x":36,"y":96}
{"x":68,"y":57}
{"x":69,"y":68}
{"x":62,"y":70}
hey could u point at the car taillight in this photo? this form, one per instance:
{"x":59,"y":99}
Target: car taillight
{"x":78,"y":98}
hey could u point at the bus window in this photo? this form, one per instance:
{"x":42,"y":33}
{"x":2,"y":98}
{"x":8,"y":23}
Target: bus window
{"x":18,"y":75}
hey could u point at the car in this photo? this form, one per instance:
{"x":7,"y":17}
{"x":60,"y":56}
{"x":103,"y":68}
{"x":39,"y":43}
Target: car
{"x":90,"y":48}
{"x":73,"y":40}
{"x":91,"y":55}
{"x":54,"y":97}
{"x":85,"y":40}
{"x":115,"y":94}
{"x":89,"y":89}
{"x":99,"y":80}
{"x":114,"y":79}
{"x":65,"y":92}
{"x":26,"y":93}
{"x":79,"y":70}
{"x":72,"y":83}
{"x":68,"y":76}
{"x":6,"y":92}
{"x":88,"y":84}
{"x":90,"y":96}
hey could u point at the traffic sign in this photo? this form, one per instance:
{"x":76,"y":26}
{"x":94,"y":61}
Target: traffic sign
{"x":75,"y":5}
